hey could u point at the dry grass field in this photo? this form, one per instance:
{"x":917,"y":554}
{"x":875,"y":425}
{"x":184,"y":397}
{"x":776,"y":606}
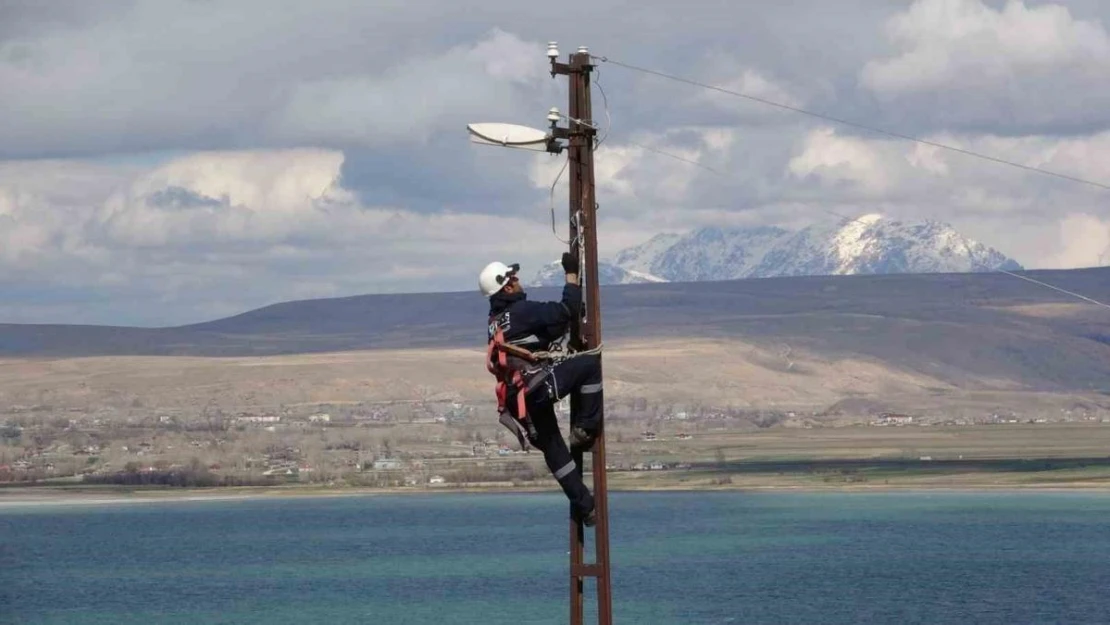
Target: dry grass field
{"x":683,"y":373}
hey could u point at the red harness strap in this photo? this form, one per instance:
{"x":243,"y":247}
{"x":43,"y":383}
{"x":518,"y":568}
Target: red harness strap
{"x":497,"y":362}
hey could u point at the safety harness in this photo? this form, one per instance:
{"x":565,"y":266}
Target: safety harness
{"x":523,"y":370}
{"x":515,"y":367}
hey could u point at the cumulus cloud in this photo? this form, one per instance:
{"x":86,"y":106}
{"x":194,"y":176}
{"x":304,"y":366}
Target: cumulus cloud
{"x":208,"y":198}
{"x":235,"y":75}
{"x":214,"y":233}
{"x":964,"y":64}
{"x":419,"y":98}
{"x":835,"y":159}
{"x":1084,"y":241}
{"x":731,"y":74}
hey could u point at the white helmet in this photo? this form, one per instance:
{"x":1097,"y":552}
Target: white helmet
{"x":495,"y":276}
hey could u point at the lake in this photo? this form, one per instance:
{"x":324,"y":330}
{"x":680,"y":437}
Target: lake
{"x":678,"y":557}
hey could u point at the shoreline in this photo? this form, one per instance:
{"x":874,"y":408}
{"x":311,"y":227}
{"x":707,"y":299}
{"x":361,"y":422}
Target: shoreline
{"x":33,"y":496}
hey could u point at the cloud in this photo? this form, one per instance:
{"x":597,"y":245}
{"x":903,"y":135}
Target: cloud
{"x":961,"y":64}
{"x":1084,"y":242}
{"x":215,"y":233}
{"x":227,"y":76}
{"x":211,"y":198}
{"x":110,"y":77}
{"x":835,"y":159}
{"x":728,"y":73}
{"x":419,"y":98}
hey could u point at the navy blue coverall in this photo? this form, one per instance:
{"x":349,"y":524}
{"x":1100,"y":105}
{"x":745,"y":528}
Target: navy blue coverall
{"x":534,"y":326}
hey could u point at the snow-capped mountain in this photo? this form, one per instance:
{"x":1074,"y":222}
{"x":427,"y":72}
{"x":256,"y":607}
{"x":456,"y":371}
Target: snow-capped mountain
{"x":639,"y":258}
{"x":868,"y":245}
{"x":551,"y":274}
{"x":705,"y":254}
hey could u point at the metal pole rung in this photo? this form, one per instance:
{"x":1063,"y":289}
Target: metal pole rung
{"x":585,"y":570}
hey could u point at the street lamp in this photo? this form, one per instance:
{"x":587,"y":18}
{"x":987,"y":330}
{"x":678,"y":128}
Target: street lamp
{"x":520,"y":137}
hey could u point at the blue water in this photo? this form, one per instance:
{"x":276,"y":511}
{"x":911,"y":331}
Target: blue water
{"x":489,"y":559}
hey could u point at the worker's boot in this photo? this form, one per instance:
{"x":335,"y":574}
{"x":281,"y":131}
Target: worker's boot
{"x":581,"y":439}
{"x":591,"y":518}
{"x":588,"y":518}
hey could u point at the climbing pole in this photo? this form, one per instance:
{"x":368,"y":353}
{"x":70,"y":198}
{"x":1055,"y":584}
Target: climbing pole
{"x":581,"y":133}
{"x":580,"y":136}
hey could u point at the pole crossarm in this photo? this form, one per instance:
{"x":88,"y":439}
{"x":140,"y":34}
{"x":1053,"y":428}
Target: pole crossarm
{"x":569,"y":69}
{"x":572,"y":133}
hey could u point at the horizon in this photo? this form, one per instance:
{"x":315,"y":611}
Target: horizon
{"x":554,"y":293}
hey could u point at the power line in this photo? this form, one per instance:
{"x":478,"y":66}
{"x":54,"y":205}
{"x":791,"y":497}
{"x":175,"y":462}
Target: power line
{"x":845,"y":219}
{"x":605,"y":100}
{"x":609,"y":128}
{"x":1054,"y":288}
{"x":674,"y":156}
{"x":848,"y":122}
{"x":551,"y":197}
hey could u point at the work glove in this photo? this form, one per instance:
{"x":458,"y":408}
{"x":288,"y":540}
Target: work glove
{"x":570,"y":263}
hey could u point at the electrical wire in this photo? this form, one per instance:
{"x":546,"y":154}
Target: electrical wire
{"x":551,"y":196}
{"x":605,"y":101}
{"x":597,"y":144}
{"x":856,"y":125}
{"x":674,"y":156}
{"x":1054,"y":288}
{"x":609,"y":128}
{"x":838,"y":120}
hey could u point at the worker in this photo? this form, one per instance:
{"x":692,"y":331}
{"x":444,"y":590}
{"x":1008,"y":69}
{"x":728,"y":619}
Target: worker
{"x":536,"y":327}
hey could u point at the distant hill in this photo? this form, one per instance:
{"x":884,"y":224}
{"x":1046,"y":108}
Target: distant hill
{"x":956,"y":327}
{"x":869,"y":244}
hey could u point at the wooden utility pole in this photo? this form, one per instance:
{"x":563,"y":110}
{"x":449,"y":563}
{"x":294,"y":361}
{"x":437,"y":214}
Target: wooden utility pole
{"x":583,"y":243}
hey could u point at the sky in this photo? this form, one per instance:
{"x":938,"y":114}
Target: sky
{"x":173,"y":161}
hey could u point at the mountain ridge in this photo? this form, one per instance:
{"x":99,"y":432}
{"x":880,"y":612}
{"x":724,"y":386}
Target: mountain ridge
{"x":870,"y":244}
